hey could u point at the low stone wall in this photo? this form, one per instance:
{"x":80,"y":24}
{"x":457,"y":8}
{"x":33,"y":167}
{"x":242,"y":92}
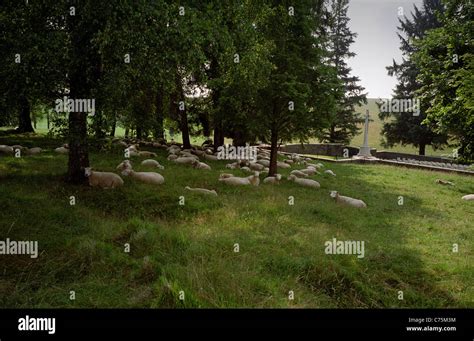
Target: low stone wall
{"x":395,"y":156}
{"x":327,"y":149}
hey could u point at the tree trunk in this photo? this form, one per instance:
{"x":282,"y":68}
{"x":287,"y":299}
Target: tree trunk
{"x":159,"y":132}
{"x":185,"y":129}
{"x":24,"y":122}
{"x":78,"y":152}
{"x":114,"y":125}
{"x":127,"y":132}
{"x":421,"y":149}
{"x":47,"y":119}
{"x":139,"y":132}
{"x":238,"y":138}
{"x":273,"y":153}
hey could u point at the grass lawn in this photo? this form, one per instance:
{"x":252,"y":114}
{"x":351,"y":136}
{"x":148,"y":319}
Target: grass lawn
{"x":190,"y":247}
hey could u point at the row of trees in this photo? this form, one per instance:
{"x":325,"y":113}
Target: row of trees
{"x":245,"y":69}
{"x":437,"y":67}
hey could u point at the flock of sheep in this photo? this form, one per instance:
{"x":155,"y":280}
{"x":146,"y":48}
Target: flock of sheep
{"x":193,"y":157}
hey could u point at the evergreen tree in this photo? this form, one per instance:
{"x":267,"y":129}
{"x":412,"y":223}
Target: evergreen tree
{"x":343,"y":120}
{"x":446,"y":62}
{"x":405,"y":127}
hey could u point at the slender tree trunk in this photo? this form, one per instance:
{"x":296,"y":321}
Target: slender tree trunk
{"x":183,"y":115}
{"x":421,"y":149}
{"x":127,"y":132}
{"x":114,"y":125}
{"x":239,"y":138}
{"x":273,"y":152}
{"x":24,"y":122}
{"x":159,"y":133}
{"x":78,"y":151}
{"x":47,"y":119}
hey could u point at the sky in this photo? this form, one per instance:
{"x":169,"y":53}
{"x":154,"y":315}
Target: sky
{"x":377,"y":43}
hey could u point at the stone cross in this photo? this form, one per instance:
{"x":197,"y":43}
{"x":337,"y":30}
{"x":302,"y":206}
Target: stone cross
{"x":365,"y":149}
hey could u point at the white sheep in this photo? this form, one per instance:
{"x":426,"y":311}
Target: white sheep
{"x":34,"y":151}
{"x":201,"y":165}
{"x":256,"y":166}
{"x":309,"y":171}
{"x":272,"y":179}
{"x":468,"y":197}
{"x":289,"y":161}
{"x":234,"y":165}
{"x":172,"y":157}
{"x":201,"y":190}
{"x":6,"y":149}
{"x":125,"y":164}
{"x":237,"y":181}
{"x":152,"y":163}
{"x":225,"y":175}
{"x":185,"y":160}
{"x":330,"y":172}
{"x":147,"y":177}
{"x":146,"y":154}
{"x":263,"y":162}
{"x":299,"y":174}
{"x":210,"y":157}
{"x":283,"y":165}
{"x":103,"y":179}
{"x":347,"y":200}
{"x":246,"y":169}
{"x":62,"y":150}
{"x":304,"y":182}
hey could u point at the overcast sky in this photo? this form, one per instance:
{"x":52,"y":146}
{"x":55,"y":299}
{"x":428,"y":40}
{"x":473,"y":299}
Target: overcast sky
{"x":377,"y":43}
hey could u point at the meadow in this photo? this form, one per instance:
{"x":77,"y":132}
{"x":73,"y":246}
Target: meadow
{"x":190,"y":249}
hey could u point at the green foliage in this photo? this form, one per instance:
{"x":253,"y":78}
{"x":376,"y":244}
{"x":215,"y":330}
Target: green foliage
{"x":446,"y":63}
{"x":403,"y":127}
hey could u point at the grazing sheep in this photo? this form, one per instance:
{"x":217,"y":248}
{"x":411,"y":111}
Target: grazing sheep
{"x":201,"y":190}
{"x":226,"y":175}
{"x":330,"y":172}
{"x":304,"y":182}
{"x":469,"y":197}
{"x":103,"y":179}
{"x":348,"y":200}
{"x":263,"y":162}
{"x":147,"y":154}
{"x":289,"y":161}
{"x":185,"y":160}
{"x":152,"y":163}
{"x":147,"y":177}
{"x":62,"y":150}
{"x":201,"y":165}
{"x":246,"y":169}
{"x":444,"y":182}
{"x":299,"y":174}
{"x":124,"y":165}
{"x":272,"y":179}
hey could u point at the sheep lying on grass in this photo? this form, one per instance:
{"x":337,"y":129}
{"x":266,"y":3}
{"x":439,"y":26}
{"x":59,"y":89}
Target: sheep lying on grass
{"x":146,"y":177}
{"x":201,"y":165}
{"x":172,"y":157}
{"x":103,"y":179}
{"x":236,"y":181}
{"x":62,"y":150}
{"x":152,"y":163}
{"x":469,"y":197}
{"x":185,"y":160}
{"x":210,"y":157}
{"x":444,"y":182}
{"x":201,"y":190}
{"x":146,"y":154}
{"x":125,"y":164}
{"x":298,"y":173}
{"x":309,"y":171}
{"x":256,"y":166}
{"x":226,"y":175}
{"x":330,"y":172}
{"x":34,"y":151}
{"x":347,"y":200}
{"x":304,"y":182}
{"x":272,"y":179}
{"x":4,"y":149}
{"x":283,"y":165}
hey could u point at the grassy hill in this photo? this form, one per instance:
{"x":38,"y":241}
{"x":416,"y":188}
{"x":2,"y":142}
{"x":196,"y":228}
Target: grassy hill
{"x":191,"y":247}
